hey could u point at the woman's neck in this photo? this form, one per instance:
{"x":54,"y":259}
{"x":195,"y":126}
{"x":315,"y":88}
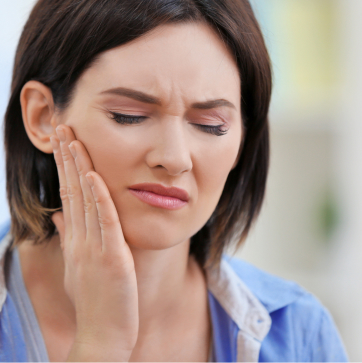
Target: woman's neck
{"x":171,"y":287}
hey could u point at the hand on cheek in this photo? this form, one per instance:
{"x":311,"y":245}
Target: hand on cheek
{"x":99,"y":276}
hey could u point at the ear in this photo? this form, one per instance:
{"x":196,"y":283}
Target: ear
{"x":37,"y":109}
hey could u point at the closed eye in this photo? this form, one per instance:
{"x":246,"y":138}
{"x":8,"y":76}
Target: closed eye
{"x":127,"y":119}
{"x":131,"y":119}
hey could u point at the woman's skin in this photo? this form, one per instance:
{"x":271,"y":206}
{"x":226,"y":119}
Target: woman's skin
{"x":118,"y":284}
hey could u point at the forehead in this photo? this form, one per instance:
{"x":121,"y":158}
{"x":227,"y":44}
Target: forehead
{"x":187,"y":59}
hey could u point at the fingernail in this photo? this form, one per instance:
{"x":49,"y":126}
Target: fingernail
{"x":60,"y":133}
{"x":72,"y":150}
{"x":54,"y":143}
{"x":90,"y":180}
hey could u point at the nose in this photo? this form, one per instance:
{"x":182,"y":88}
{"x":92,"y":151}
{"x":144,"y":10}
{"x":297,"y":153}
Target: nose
{"x":170,"y":148}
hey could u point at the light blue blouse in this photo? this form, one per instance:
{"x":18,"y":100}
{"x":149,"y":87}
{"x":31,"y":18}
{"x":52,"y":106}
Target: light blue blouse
{"x":255,"y":317}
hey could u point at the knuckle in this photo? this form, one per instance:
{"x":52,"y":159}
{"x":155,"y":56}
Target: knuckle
{"x":63,"y":193}
{"x":88,"y":206}
{"x":58,"y":163}
{"x":67,"y":157}
{"x":80,"y":168}
{"x":101,"y":198}
{"x":72,"y":191}
{"x":106,"y":221}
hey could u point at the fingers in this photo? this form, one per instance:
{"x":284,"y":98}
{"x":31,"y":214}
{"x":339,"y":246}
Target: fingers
{"x":84,"y":165}
{"x":89,"y":211}
{"x":74,"y":190}
{"x":62,"y":185}
{"x":111,"y":230}
{"x":58,"y":220}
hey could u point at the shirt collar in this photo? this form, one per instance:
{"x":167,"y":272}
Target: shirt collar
{"x":238,"y":301}
{"x":243,"y":307}
{"x":272,"y":291}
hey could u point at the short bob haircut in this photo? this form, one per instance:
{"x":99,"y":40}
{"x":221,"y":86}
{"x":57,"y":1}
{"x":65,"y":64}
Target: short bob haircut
{"x":62,"y":38}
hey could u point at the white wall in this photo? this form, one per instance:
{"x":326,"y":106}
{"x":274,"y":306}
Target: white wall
{"x":13,"y":15}
{"x":347,"y":266}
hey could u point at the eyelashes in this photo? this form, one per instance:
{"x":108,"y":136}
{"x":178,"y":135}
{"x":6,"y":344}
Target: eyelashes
{"x":130,"y":120}
{"x":214,"y":130}
{"x":127,"y":119}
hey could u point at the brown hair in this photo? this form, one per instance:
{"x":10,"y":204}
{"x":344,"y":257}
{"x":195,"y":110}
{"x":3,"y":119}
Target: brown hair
{"x":62,"y":38}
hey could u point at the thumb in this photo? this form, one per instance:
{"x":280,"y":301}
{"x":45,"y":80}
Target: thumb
{"x":58,"y":220}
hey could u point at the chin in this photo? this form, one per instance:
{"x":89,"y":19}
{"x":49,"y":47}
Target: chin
{"x":151,"y":238}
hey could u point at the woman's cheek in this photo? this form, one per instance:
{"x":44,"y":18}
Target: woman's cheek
{"x":219,"y":162}
{"x":110,"y":148}
{"x":114,"y":159}
{"x":211,"y":169}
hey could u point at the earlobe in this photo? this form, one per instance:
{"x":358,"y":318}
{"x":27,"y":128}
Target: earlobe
{"x":37,"y":109}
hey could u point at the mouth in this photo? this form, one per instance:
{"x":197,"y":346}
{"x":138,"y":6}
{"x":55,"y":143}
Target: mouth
{"x":159,"y":196}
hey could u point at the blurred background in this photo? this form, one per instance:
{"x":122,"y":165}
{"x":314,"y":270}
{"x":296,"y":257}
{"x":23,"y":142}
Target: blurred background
{"x":310,"y":228}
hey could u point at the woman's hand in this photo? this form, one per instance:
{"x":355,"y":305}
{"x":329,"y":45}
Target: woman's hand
{"x":100,"y":277}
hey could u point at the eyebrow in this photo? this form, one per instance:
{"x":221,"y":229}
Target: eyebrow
{"x":145,"y":98}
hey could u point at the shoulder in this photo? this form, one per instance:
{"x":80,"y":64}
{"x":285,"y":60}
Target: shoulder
{"x":12,"y":343}
{"x":302,"y":328}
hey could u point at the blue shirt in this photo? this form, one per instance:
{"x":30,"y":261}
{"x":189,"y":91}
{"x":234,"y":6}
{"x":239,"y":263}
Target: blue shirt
{"x":255,"y":317}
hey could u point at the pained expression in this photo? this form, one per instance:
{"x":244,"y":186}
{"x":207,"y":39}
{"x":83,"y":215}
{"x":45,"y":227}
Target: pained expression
{"x":178,"y":65}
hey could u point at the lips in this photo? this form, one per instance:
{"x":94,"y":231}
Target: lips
{"x":161,"y":190}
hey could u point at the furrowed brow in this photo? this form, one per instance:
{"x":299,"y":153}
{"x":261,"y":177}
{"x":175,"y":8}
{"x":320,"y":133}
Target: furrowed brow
{"x":136,"y":95}
{"x":146,"y":98}
{"x":212,"y":104}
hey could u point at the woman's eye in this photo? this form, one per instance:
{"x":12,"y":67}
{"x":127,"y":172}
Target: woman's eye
{"x":127,"y":119}
{"x":214,"y":130}
{"x":130,"y":119}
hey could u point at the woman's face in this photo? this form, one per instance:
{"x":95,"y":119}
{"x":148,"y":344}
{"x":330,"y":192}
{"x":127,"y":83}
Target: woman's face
{"x":178,"y":68}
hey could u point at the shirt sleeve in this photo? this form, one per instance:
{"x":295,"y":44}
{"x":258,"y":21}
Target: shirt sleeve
{"x":303,"y":331}
{"x":325,"y":343}
{"x":12,"y":343}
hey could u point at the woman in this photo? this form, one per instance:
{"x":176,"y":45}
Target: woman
{"x":150,"y":117}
